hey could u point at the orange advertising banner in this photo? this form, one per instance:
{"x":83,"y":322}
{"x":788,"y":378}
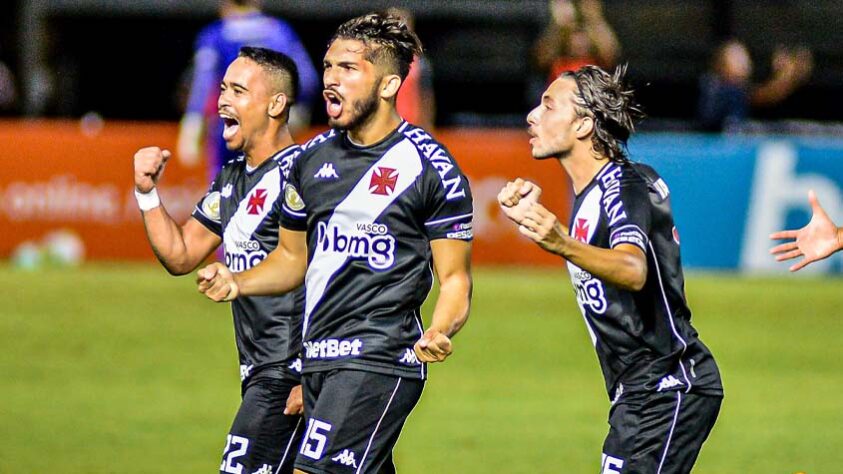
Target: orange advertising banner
{"x":74,"y":179}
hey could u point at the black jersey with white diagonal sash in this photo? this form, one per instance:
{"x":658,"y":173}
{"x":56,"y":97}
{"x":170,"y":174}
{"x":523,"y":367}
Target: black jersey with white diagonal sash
{"x":644,"y":339}
{"x":370,"y":214}
{"x":243,"y":207}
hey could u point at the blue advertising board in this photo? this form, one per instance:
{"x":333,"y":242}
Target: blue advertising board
{"x":729,"y":193}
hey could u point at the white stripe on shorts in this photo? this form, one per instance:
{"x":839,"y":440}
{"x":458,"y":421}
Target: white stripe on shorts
{"x":372,"y":438}
{"x":672,"y":426}
{"x":289,"y":444}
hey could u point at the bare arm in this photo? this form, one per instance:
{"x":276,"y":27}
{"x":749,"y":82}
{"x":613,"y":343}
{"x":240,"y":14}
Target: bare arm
{"x":452,"y":261}
{"x":624,"y":266}
{"x":282,"y":271}
{"x":180,"y":249}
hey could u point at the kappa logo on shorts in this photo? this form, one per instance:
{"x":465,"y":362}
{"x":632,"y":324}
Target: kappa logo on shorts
{"x":346,"y":458}
{"x":409,"y":357}
{"x":245,"y":371}
{"x":265,"y":469}
{"x":227,"y":190}
{"x":296,"y":365}
{"x":668,"y":382}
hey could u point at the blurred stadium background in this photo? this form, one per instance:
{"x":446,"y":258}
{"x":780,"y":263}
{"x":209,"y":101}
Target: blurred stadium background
{"x":109,"y":365}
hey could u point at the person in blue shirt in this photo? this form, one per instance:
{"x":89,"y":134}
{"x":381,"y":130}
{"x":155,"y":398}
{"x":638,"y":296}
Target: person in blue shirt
{"x":241,"y":24}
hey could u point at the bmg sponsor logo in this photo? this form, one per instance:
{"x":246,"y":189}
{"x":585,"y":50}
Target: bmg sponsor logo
{"x":332,"y":348}
{"x":369,"y":241}
{"x":590,"y":292}
{"x":245,"y":255}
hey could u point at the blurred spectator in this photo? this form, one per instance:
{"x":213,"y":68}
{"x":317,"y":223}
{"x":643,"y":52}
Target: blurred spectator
{"x":726,"y":93}
{"x":217,"y":45}
{"x":577,"y":35}
{"x":416,"y":102}
{"x":8,"y":92}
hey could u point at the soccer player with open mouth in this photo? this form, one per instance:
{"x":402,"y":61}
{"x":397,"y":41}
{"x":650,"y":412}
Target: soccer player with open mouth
{"x":242,"y":211}
{"x":371,"y":208}
{"x":622,"y":252}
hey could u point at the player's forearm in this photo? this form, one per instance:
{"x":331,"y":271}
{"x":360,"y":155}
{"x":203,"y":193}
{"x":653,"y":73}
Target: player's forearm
{"x":281,"y":272}
{"x":453,"y":304}
{"x":167,"y":241}
{"x":615,"y":267}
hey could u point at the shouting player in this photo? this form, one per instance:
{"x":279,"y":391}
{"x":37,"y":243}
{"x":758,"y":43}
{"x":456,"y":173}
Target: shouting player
{"x":623,"y":257}
{"x":242,"y":210}
{"x":368,"y":207}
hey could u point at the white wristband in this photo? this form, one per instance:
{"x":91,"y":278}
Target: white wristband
{"x":147,"y":201}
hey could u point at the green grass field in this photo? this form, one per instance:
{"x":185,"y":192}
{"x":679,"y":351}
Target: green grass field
{"x":125,"y":369}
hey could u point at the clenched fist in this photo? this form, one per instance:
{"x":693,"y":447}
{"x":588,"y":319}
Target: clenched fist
{"x":517,"y":197}
{"x":149,"y":165}
{"x":217,"y":283}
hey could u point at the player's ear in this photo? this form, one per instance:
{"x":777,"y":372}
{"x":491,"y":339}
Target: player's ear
{"x":390,"y":85}
{"x":277,"y":104}
{"x":585,"y":127}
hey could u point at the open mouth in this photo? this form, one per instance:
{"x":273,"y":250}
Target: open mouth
{"x":333,"y":103}
{"x":230,"y":126}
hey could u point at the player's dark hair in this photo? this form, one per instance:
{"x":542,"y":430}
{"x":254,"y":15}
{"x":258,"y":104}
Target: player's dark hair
{"x":610,"y":103}
{"x":388,"y":39}
{"x":277,"y":64}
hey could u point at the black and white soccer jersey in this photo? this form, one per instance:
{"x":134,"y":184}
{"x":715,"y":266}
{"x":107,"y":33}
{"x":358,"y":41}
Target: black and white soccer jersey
{"x":644,"y":339}
{"x":370,"y":214}
{"x":243,"y":207}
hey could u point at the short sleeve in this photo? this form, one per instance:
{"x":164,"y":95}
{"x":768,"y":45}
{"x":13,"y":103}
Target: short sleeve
{"x":629,"y":214}
{"x":448,"y":201}
{"x":293,"y":210}
{"x":207,"y":210}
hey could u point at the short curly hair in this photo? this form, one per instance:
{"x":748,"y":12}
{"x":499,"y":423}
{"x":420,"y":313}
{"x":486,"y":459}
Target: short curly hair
{"x":389,"y":40}
{"x":609,"y":101}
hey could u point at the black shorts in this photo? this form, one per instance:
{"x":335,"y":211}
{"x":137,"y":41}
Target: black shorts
{"x":658,"y":433}
{"x":353,"y":419}
{"x":262,"y":437}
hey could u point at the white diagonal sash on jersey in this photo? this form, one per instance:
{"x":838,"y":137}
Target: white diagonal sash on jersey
{"x":242,"y":225}
{"x":359,"y":206}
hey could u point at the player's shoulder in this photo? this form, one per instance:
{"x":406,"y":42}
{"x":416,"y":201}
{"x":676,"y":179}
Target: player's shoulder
{"x":324,"y":140}
{"x":286,"y":158}
{"x":234,"y":166}
{"x":437,"y":161}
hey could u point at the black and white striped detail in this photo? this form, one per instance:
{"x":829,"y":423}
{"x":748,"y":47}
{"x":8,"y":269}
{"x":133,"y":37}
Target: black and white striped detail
{"x":670,"y":433}
{"x":360,"y":205}
{"x":375,"y":432}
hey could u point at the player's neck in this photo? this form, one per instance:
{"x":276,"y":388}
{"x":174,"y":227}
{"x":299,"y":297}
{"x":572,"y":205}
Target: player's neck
{"x":383,"y":122}
{"x":265,"y":149}
{"x":582,"y":167}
